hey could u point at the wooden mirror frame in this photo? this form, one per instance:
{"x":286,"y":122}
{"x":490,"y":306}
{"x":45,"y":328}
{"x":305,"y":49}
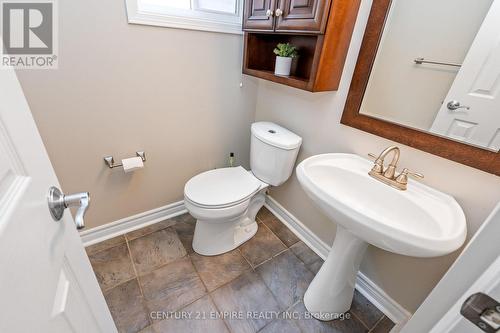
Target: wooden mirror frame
{"x":472,"y":156}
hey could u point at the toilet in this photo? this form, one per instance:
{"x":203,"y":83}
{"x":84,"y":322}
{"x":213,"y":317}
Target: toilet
{"x":225,"y":201}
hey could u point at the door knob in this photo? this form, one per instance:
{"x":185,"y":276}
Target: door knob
{"x":454,"y":105}
{"x":483,"y":311}
{"x":58,"y":202}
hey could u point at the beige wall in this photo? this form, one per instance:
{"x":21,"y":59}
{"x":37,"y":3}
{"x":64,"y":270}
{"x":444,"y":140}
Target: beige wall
{"x":120,"y":88}
{"x":316,"y":118}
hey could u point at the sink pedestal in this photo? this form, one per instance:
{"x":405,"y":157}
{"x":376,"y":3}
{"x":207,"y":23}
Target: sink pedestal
{"x":330,"y":292}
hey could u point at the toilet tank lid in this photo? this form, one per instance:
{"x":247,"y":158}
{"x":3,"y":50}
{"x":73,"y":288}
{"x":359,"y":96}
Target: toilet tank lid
{"x":276,"y":135}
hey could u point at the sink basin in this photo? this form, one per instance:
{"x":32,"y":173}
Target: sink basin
{"x":419,"y":222}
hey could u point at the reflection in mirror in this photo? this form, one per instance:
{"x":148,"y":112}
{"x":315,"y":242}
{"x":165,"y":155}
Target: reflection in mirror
{"x":454,"y":91}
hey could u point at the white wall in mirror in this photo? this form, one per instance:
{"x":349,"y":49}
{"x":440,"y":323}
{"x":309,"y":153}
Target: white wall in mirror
{"x":410,"y":94}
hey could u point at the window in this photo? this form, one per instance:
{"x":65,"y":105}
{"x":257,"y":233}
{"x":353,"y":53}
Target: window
{"x":209,"y":15}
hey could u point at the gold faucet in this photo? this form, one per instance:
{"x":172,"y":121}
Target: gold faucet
{"x":388,"y":175}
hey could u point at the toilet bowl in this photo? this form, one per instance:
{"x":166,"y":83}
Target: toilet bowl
{"x":225,"y":201}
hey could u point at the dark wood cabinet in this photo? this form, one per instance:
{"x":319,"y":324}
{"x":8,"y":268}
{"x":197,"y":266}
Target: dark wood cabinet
{"x":302,"y":15}
{"x":307,"y":16}
{"x":321,"y":29}
{"x":259,"y":15}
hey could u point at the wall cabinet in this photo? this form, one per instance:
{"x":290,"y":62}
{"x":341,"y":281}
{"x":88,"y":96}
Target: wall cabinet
{"x":307,"y":16}
{"x":259,"y":15}
{"x":302,"y":15}
{"x":321,"y":29}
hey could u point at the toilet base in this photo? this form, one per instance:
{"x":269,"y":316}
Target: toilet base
{"x":211,"y":239}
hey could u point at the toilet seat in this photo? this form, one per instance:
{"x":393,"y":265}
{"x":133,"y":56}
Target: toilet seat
{"x":221,"y":188}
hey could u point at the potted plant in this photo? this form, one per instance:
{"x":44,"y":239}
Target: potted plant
{"x":285,"y":52}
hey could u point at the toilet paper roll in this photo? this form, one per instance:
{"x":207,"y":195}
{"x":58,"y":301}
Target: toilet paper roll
{"x":131,"y":164}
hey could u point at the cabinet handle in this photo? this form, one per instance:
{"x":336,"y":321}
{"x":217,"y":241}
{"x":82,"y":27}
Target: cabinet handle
{"x":269,"y":13}
{"x":278,"y":12}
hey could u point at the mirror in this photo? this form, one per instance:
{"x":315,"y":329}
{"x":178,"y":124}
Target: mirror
{"x":428,"y":75}
{"x":422,"y":49}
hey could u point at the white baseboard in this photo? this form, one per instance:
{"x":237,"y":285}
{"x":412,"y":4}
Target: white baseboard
{"x":131,"y":223}
{"x":376,"y":295}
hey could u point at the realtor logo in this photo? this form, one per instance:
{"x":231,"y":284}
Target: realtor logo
{"x":28,"y":34}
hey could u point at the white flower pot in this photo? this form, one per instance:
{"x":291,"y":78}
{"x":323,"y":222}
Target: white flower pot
{"x":283,"y":65}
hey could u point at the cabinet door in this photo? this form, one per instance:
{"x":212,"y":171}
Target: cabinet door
{"x":259,"y":15}
{"x":302,"y":15}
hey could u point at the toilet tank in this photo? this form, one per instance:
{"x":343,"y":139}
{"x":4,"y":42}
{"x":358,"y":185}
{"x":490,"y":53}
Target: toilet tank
{"x":273,"y":151}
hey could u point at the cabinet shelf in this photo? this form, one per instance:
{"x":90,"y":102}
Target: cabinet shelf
{"x":322,"y":40}
{"x":292,"y":81}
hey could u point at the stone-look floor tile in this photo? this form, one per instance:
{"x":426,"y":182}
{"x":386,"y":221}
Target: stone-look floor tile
{"x":184,"y":218}
{"x":264,"y":214}
{"x":262,"y":246}
{"x":184,"y":226}
{"x":281,"y":326}
{"x":280,"y":230}
{"x":248,"y":293}
{"x":149,"y":229}
{"x":148,"y":329}
{"x":172,"y":286}
{"x":218,"y":270}
{"x":177,"y":285}
{"x":112,"y":266}
{"x":307,"y":256}
{"x":385,"y":325}
{"x":104,"y":245}
{"x":315,"y":266}
{"x":287,"y":278}
{"x":157,"y":249}
{"x":202,"y":308}
{"x":304,"y":253}
{"x":309,"y":324}
{"x":364,"y":310}
{"x":127,"y":307}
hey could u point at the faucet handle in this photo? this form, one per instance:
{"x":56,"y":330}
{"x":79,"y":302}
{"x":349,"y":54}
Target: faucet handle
{"x":413,"y":174}
{"x":402,"y":178}
{"x":378,"y":166}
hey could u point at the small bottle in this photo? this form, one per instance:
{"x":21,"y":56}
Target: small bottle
{"x":231,"y":159}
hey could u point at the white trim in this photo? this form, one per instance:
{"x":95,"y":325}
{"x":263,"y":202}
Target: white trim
{"x":385,"y":303}
{"x":376,"y":295}
{"x":201,"y":20}
{"x":131,"y":223}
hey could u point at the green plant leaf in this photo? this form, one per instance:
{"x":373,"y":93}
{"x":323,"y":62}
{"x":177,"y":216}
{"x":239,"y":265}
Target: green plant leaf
{"x":285,"y":50}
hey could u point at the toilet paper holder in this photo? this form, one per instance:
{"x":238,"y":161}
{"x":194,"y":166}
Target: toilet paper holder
{"x":110,"y":162}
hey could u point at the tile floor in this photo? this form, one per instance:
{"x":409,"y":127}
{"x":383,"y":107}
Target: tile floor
{"x":153,"y":281}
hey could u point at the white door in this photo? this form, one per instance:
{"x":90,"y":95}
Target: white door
{"x":488,"y":284}
{"x":477,"y":86}
{"x":46,"y":281}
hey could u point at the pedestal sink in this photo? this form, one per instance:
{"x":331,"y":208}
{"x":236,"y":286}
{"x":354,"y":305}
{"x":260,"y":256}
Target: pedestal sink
{"x":418,"y":222}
